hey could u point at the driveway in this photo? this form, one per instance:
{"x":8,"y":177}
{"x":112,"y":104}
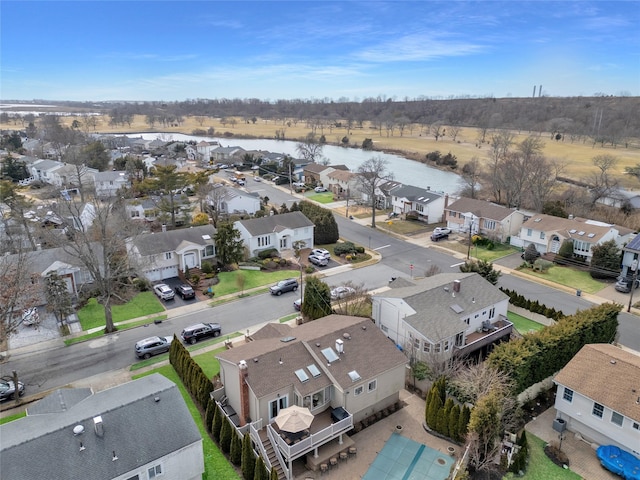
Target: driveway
{"x":177,"y":300}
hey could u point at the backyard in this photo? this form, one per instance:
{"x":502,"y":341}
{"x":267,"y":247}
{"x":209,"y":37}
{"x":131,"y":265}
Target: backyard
{"x":522,"y":324}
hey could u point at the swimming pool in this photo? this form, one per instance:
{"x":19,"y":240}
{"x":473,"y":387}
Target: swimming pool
{"x":403,"y":459}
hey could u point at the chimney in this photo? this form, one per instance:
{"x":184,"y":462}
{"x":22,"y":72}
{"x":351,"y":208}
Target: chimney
{"x":446,"y":200}
{"x":244,"y":392}
{"x":339,"y":346}
{"x":456,"y":285}
{"x":98,"y":426}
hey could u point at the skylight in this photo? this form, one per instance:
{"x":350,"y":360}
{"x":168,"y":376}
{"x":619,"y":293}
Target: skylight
{"x":329,"y":354}
{"x":206,"y":237}
{"x":573,"y":230}
{"x":591,"y":235}
{"x":314,"y":370}
{"x":302,"y":375}
{"x":354,"y":376}
{"x":581,"y":232}
{"x":287,"y":339}
{"x":457,"y":308}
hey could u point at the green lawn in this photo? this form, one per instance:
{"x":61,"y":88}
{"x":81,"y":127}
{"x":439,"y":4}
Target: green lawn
{"x":215,"y":463}
{"x":578,"y":279}
{"x":540,"y":467}
{"x":144,"y":303}
{"x":13,"y":417}
{"x":126,"y":326}
{"x":404,"y":227}
{"x":326,"y":197}
{"x":252,"y":278}
{"x":522,"y":324}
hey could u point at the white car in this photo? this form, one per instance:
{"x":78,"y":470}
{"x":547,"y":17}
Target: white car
{"x":163,"y":291}
{"x":441,"y":231}
{"x":342,"y":292}
{"x":321,"y":252}
{"x":319,"y":189}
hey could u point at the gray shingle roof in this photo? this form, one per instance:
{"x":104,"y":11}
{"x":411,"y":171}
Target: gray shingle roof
{"x":480,"y":208}
{"x":137,"y":428}
{"x":264,"y":225}
{"x":155,"y":243}
{"x":416,"y":194}
{"x":268,"y":374}
{"x":435,"y":317}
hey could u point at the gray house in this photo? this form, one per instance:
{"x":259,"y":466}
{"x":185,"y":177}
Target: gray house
{"x":139,"y":430}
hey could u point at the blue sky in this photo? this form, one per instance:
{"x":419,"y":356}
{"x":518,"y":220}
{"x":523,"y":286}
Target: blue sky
{"x":269,"y":50}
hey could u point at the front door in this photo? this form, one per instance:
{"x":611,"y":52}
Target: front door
{"x":190,"y":260}
{"x":275,"y":406}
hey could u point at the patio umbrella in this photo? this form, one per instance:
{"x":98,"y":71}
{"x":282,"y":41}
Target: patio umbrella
{"x":294,"y":419}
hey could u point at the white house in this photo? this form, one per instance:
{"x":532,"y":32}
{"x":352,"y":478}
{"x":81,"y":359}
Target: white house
{"x":630,"y":257}
{"x":486,"y":218}
{"x":343,"y":184}
{"x":138,"y":430}
{"x":548,"y":233}
{"x":229,"y":200}
{"x":443,"y":315}
{"x":598,"y":396}
{"x":276,"y":231}
{"x":108,"y":183}
{"x":426,"y":204}
{"x":162,"y":255}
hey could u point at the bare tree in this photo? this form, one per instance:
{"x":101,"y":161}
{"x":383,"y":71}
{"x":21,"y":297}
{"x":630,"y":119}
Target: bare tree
{"x":355,"y":304}
{"x":454,"y":131}
{"x":543,"y":176}
{"x":602,"y":183}
{"x":371,"y":174}
{"x":437,"y":130}
{"x":310,"y":148}
{"x":471,"y":174}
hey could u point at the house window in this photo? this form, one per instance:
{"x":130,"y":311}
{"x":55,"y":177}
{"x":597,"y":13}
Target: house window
{"x":490,"y":224}
{"x":636,"y":425}
{"x":459,"y":339}
{"x":492,"y":312}
{"x":384,"y":328}
{"x":283,"y":243}
{"x":617,"y":418}
{"x":529,"y":232}
{"x":438,"y":347}
{"x":135,"y":213}
{"x":208,"y":251}
{"x":466,"y":320}
{"x":541,"y":235}
{"x":598,"y":410}
{"x":155,"y":471}
{"x":446,"y":345}
{"x":416,"y":343}
{"x":358,"y":390}
{"x":276,"y":405}
{"x":167,"y":256}
{"x":373,"y":384}
{"x":426,"y":347}
{"x":568,"y":395}
{"x":135,"y":477}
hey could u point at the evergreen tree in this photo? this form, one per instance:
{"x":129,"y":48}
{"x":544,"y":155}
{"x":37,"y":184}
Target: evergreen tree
{"x":225,"y":436}
{"x":463,"y":422}
{"x":317,"y":299}
{"x":235,"y":454}
{"x":229,"y":245}
{"x":216,"y":426}
{"x":483,"y":268}
{"x":260,"y":472}
{"x":209,"y":414}
{"x":248,"y":458}
{"x":606,"y":260}
{"x":58,"y":297}
{"x":565,"y":254}
{"x":454,"y":417}
{"x":434,"y":409}
{"x":446,"y":411}
{"x":274,"y":474}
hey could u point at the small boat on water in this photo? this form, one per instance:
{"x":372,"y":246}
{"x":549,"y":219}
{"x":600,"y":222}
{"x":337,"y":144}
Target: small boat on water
{"x":619,"y":462}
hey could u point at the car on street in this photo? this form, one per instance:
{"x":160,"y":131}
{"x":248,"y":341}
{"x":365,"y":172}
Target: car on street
{"x":150,"y":346}
{"x":163,"y":291}
{"x":185,"y":291}
{"x":257,"y":179}
{"x":284,"y":286}
{"x":624,"y":285}
{"x":319,"y":260}
{"x":319,"y":189}
{"x":8,"y":389}
{"x":199,"y":331}
{"x":435,"y":237}
{"x":297,"y":304}
{"x":241,"y":183}
{"x":442,"y":230}
{"x":341,"y":292}
{"x":321,"y":252}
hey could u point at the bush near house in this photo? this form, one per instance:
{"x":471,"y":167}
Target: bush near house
{"x":533,"y":306}
{"x":539,"y":355}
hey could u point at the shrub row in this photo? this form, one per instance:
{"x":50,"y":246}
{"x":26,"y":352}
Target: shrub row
{"x":191,"y":374}
{"x":533,"y":306}
{"x":443,"y":416}
{"x":541,"y":354}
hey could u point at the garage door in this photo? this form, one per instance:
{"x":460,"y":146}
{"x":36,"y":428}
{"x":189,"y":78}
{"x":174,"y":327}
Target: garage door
{"x":153,"y":275}
{"x":168,"y":272}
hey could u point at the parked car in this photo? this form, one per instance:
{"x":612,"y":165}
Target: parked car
{"x":624,"y":284}
{"x":199,"y":331}
{"x":163,"y":291}
{"x":442,"y":230}
{"x":8,"y":389}
{"x":147,"y":347}
{"x":341,"y":292}
{"x":185,"y":291}
{"x":257,"y":179}
{"x":321,"y":252}
{"x":536,"y":255}
{"x":435,"y":237}
{"x":319,"y":260}
{"x":319,"y":189}
{"x":284,"y":286}
{"x":241,"y":183}
{"x":297,"y":304}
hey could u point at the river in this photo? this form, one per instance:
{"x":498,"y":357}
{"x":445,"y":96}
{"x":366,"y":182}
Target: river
{"x":409,"y":172}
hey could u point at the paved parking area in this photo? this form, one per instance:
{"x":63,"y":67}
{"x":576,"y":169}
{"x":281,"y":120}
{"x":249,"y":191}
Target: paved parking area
{"x":177,"y":300}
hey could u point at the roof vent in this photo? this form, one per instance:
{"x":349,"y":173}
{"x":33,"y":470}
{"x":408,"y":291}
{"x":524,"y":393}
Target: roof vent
{"x":255,"y":360}
{"x":78,"y":430}
{"x":280,"y":360}
{"x":446,"y":289}
{"x":339,"y":346}
{"x":156,"y":399}
{"x":81,"y":446}
{"x":346,"y":335}
{"x":242,"y":364}
{"x":115,"y":457}
{"x":364,"y":327}
{"x":318,"y":344}
{"x":613,"y":362}
{"x":99,"y":427}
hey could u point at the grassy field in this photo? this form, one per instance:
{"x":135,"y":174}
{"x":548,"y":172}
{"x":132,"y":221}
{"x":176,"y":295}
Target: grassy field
{"x":522,"y":324}
{"x":569,"y":277}
{"x":415,"y":142}
{"x":145,"y":303}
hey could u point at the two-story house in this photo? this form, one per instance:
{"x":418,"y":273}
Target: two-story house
{"x":443,"y":315}
{"x":227,"y":154}
{"x":340,"y":368}
{"x":138,"y":430}
{"x":318,"y":174}
{"x":598,"y":396}
{"x":548,"y":233}
{"x":228,"y":200}
{"x":276,"y":231}
{"x":162,"y":255}
{"x":484,"y":218}
{"x":426,"y":204}
{"x":631,"y":257}
{"x":109,"y":183}
{"x":344,"y":184}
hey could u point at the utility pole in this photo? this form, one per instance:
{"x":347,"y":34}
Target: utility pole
{"x":347,"y":210}
{"x":634,"y":268}
{"x":470,"y":234}
{"x":290,"y":186}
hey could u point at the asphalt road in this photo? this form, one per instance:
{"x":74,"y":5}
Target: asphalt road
{"x":58,"y":366}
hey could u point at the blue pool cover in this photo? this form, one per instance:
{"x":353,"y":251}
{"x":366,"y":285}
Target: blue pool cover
{"x":403,"y":459}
